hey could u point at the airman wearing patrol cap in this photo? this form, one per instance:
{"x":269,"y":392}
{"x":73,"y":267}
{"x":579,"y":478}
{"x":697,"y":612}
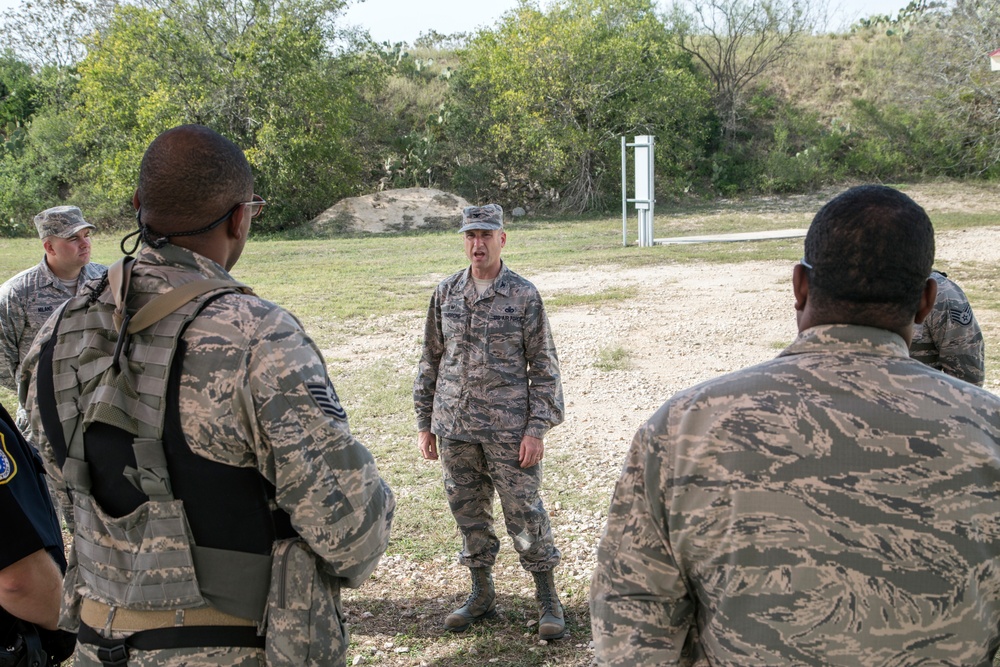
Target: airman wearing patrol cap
{"x":61,"y":221}
{"x":27,"y":299}
{"x":486,"y":393}
{"x":482,"y":217}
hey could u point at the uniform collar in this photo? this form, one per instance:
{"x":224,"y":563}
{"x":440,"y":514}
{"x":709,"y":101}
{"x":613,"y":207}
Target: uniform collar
{"x":848,"y":338}
{"x":176,"y":257}
{"x":49,"y":276}
{"x":501,"y":284}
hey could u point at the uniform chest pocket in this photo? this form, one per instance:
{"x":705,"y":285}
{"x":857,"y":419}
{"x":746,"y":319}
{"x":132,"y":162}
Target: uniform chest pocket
{"x":505,"y":335}
{"x":453,"y":320}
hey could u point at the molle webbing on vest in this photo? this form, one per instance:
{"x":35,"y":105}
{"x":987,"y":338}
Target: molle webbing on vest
{"x":146,"y":559}
{"x":140,"y":561}
{"x":131,"y":397}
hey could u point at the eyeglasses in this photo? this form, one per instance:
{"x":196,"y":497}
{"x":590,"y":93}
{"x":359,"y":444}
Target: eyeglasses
{"x":806,"y":264}
{"x":256,"y":206}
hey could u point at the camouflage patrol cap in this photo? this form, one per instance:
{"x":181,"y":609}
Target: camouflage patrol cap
{"x":481,"y":217}
{"x":61,"y":221}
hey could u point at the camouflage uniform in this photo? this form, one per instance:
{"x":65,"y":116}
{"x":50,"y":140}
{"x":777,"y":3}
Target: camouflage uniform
{"x":26,"y":301}
{"x":488,"y":376}
{"x":834,"y":506}
{"x":949,"y":338}
{"x":254,"y":393}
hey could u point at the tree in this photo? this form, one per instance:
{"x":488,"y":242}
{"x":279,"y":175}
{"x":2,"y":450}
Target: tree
{"x":262,"y":73}
{"x":738,"y":40}
{"x":947,"y":73}
{"x":18,"y":99}
{"x":541,"y":101}
{"x":409,"y":125}
{"x":51,"y":32}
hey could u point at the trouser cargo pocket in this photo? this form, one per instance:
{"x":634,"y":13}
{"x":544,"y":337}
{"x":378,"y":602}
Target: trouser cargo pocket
{"x":305,"y":624}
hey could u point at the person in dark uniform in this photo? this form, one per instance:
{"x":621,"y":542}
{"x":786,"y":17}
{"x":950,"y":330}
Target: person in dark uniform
{"x":31,"y":558}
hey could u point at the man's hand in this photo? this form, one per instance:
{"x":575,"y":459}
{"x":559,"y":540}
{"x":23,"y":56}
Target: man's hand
{"x":532,"y":450}
{"x":428,"y":445}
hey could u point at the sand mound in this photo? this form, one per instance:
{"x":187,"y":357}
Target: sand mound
{"x":392,"y":211}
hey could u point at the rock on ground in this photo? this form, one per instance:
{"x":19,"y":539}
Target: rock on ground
{"x":392,"y":211}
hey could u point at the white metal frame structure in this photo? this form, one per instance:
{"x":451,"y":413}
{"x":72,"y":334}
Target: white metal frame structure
{"x":645,"y":195}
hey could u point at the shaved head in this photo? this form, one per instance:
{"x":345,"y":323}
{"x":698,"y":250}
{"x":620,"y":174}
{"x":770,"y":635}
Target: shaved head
{"x":189,"y":176}
{"x":871,"y":249}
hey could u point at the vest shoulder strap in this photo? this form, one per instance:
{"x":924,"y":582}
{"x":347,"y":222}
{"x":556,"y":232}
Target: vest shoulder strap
{"x":166,"y":303}
{"x":119,"y":276}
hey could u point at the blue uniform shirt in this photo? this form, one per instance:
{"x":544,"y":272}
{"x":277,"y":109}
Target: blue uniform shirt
{"x":28,"y":520}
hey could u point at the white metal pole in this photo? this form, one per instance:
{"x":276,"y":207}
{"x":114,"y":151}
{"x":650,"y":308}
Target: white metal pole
{"x":652,"y":186}
{"x":624,"y":200}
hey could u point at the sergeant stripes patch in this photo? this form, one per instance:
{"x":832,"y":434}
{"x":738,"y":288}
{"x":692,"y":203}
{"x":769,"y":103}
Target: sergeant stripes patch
{"x":961,"y":316}
{"x":326,"y":397}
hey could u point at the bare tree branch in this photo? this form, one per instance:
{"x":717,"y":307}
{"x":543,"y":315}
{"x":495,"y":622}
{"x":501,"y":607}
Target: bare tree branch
{"x":738,"y":40}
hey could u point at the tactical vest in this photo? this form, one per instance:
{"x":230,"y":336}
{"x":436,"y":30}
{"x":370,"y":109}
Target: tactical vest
{"x":109,"y":406}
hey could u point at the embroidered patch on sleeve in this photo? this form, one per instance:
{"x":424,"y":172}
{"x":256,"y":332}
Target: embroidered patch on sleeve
{"x":8,"y":468}
{"x":961,"y":316}
{"x":326,"y":397}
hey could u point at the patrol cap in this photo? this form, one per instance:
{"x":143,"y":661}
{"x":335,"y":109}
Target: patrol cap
{"x":61,"y":221}
{"x":481,"y":217}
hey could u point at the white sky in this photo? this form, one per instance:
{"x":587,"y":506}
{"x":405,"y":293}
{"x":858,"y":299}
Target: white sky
{"x":405,"y":20}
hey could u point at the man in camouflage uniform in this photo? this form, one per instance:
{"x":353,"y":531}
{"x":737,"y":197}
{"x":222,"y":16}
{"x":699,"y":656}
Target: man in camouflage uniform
{"x":950,"y":339}
{"x":488,"y":386}
{"x":833,"y":506}
{"x":252,"y":395}
{"x":30,"y":297}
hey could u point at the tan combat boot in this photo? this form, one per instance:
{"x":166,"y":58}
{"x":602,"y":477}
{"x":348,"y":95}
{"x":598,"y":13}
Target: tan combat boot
{"x":481,"y":604}
{"x":551,"y":624}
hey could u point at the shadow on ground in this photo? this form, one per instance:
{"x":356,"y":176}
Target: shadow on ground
{"x":398,"y":631}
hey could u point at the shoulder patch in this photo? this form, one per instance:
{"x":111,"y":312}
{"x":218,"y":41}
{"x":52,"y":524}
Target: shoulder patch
{"x":8,"y":468}
{"x":326,"y":397}
{"x":961,"y":316}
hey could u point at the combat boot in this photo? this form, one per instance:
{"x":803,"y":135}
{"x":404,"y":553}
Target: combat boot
{"x":551,"y":624}
{"x":481,"y":604}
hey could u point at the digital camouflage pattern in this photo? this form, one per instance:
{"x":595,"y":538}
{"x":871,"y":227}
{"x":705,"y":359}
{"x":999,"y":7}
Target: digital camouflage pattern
{"x":488,"y":376}
{"x":305,"y":622}
{"x":834,"y":506}
{"x":61,"y":221}
{"x":489,"y":370}
{"x":471,"y":472}
{"x":26,"y":301}
{"x":254,"y":392}
{"x":950,"y":339}
{"x":86,"y":656}
{"x":481,"y":217}
{"x":153,"y":563}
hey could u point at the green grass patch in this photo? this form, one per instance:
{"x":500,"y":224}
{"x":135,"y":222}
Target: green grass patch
{"x":613,"y":358}
{"x":565,"y":299}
